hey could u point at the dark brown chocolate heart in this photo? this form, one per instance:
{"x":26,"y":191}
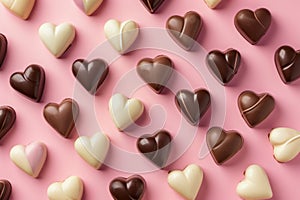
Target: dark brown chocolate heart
{"x":222,"y":144}
{"x":7,"y":120}
{"x":253,"y":25}
{"x":223,"y":65}
{"x":3,"y":48}
{"x":185,"y":30}
{"x":5,"y":189}
{"x":156,"y":147}
{"x":152,"y":5}
{"x":90,"y":74}
{"x":155,"y":72}
{"x":30,"y":83}
{"x":255,"y":108}
{"x":62,"y":117}
{"x":193,"y":105}
{"x":132,"y":188}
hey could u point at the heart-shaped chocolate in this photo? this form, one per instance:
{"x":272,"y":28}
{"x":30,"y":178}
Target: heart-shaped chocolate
{"x":152,"y":5}
{"x":222,"y":144}
{"x":62,"y":117}
{"x":90,"y":74}
{"x":185,"y":30}
{"x":255,"y":108}
{"x":253,"y":25}
{"x":193,"y":105}
{"x":3,"y":48}
{"x":156,"y":147}
{"x":131,"y":188}
{"x":223,"y":65}
{"x":30,"y":83}
{"x":5,"y":189}
{"x":7,"y":120}
{"x":155,"y":72}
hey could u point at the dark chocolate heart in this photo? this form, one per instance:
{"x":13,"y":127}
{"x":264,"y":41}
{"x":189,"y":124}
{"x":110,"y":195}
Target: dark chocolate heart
{"x":132,"y":188}
{"x":90,"y":74}
{"x":185,"y":30}
{"x":156,"y":147}
{"x":30,"y":83}
{"x":7,"y":120}
{"x":253,"y":25}
{"x":223,"y":65}
{"x":222,"y":144}
{"x":193,"y":105}
{"x":155,"y":72}
{"x":5,"y":189}
{"x":62,"y":117}
{"x":255,"y":108}
{"x":3,"y":48}
{"x":152,"y":5}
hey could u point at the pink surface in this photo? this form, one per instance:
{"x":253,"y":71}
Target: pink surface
{"x":257,"y":73}
{"x":36,"y":154}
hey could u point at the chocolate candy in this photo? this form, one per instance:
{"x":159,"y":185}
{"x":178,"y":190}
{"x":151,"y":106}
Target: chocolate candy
{"x":3,"y":48}
{"x":132,"y":188}
{"x":223,"y":65}
{"x":88,"y":7}
{"x":152,"y":5}
{"x":287,"y":62}
{"x":21,"y":9}
{"x":185,"y":30}
{"x":90,"y":74}
{"x":156,"y":147}
{"x":255,"y":108}
{"x":253,"y":25}
{"x":193,"y":105}
{"x":5,"y":189}
{"x":62,"y":117}
{"x":7,"y":120}
{"x":223,"y":144}
{"x":155,"y":72}
{"x":30,"y":83}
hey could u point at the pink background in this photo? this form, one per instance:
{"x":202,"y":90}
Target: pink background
{"x":257,"y":73}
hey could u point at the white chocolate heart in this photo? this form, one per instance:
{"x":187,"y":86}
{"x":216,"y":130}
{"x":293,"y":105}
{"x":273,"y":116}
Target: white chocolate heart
{"x":212,"y":3}
{"x":124,"y":111}
{"x":93,"y":149}
{"x":70,"y":189}
{"x":121,"y":35}
{"x":57,"y":39}
{"x":256,"y":184}
{"x":20,"y":8}
{"x":187,"y":182}
{"x":88,"y":6}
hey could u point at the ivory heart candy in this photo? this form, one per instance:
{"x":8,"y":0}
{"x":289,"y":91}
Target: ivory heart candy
{"x":212,"y":3}
{"x":57,"y":39}
{"x":88,"y":6}
{"x":30,"y":83}
{"x":20,"y":8}
{"x":7,"y":120}
{"x":30,"y":158}
{"x":5,"y":189}
{"x":155,"y":72}
{"x":187,"y":182}
{"x":255,"y":108}
{"x":3,"y":48}
{"x":185,"y":30}
{"x":256,"y":184}
{"x":253,"y":25}
{"x":152,"y":5}
{"x":62,"y":117}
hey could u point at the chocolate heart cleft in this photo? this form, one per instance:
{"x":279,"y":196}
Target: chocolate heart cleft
{"x":5,"y":189}
{"x":3,"y":48}
{"x":7,"y":119}
{"x":152,"y":5}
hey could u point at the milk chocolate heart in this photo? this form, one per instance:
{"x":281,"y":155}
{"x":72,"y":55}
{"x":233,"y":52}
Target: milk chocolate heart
{"x":62,"y":117}
{"x":156,"y":147}
{"x":30,"y":83}
{"x":193,"y":105}
{"x":253,"y":25}
{"x":7,"y":120}
{"x":255,"y":108}
{"x":156,"y":72}
{"x":223,"y":144}
{"x":90,"y":74}
{"x":223,"y":65}
{"x":3,"y":48}
{"x":131,"y":188}
{"x":185,"y":30}
{"x":5,"y":189}
{"x":152,"y":5}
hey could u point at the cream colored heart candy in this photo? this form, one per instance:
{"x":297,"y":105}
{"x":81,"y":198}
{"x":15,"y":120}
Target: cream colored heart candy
{"x":255,"y":185}
{"x":70,"y":189}
{"x":57,"y":39}
{"x":212,"y":3}
{"x":121,"y":35}
{"x":187,"y":182}
{"x":88,"y":6}
{"x":93,"y":149}
{"x":20,"y":8}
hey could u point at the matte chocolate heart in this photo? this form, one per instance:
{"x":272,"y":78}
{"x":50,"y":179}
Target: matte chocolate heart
{"x":287,"y":62}
{"x":62,"y":117}
{"x":132,"y":188}
{"x":3,"y":48}
{"x":30,"y":83}
{"x":255,"y":108}
{"x":5,"y":189}
{"x":193,"y":105}
{"x":156,"y":147}
{"x":7,"y":120}
{"x":223,"y":65}
{"x":185,"y":30}
{"x":156,"y":72}
{"x":90,"y":74}
{"x":152,"y":5}
{"x":253,"y":25}
{"x":222,"y":144}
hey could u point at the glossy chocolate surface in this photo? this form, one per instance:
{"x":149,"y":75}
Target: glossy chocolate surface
{"x":7,"y":119}
{"x":152,"y":5}
{"x":3,"y":48}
